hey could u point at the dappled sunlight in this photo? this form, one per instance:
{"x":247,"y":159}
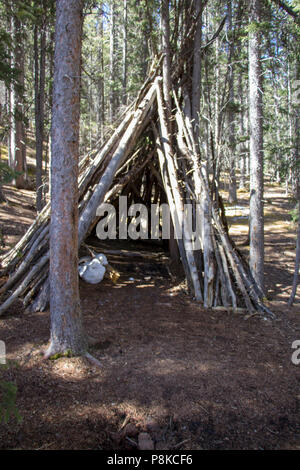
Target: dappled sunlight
{"x":280,"y":238}
{"x":164,"y":366}
{"x":163,"y":359}
{"x":237,"y":229}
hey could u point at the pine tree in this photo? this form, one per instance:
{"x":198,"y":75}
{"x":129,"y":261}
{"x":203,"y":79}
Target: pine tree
{"x":256,"y":221}
{"x":66,"y":324}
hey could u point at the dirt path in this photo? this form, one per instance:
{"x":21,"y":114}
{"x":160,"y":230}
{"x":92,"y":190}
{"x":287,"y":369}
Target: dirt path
{"x":192,"y":379}
{"x":280,"y":241}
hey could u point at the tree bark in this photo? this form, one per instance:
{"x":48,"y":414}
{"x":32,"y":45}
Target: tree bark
{"x":100,"y":81}
{"x":124,"y":65}
{"x":17,"y":154}
{"x":112,"y":95}
{"x":177,"y":212}
{"x":296,"y":170}
{"x":66,"y":322}
{"x":125,"y":145}
{"x":196,"y":82}
{"x":2,"y":196}
{"x":297,"y":263}
{"x":232,"y":196}
{"x":165,"y":31}
{"x":165,"y":38}
{"x":39,"y":91}
{"x":242,"y":147}
{"x":256,"y":220}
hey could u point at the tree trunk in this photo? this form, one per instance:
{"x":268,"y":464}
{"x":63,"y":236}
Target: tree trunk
{"x":232,"y":196}
{"x":217,"y":108}
{"x":100,"y":83}
{"x":2,"y":196}
{"x":17,"y":158}
{"x":297,"y":262}
{"x":66,"y":323}
{"x":112,"y":95}
{"x":125,"y":145}
{"x":165,"y":32}
{"x":196,"y":83}
{"x":39,"y":92}
{"x":124,"y":71}
{"x":242,"y":147}
{"x":296,"y":145}
{"x":256,"y":220}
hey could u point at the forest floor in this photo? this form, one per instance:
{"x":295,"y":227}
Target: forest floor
{"x":190,"y":378}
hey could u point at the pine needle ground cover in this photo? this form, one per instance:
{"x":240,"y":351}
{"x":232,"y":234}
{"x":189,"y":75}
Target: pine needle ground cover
{"x":206,"y":379}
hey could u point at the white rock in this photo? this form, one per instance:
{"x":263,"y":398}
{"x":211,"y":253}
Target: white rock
{"x":92,"y":270}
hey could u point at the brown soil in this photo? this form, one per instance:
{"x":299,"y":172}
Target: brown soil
{"x":191,"y":378}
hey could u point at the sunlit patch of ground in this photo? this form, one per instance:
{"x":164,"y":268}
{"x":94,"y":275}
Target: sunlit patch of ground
{"x":16,"y":215}
{"x":280,"y":237}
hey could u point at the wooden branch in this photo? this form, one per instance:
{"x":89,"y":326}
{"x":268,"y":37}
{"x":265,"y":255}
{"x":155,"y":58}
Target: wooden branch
{"x":124,"y":147}
{"x":287,"y":9}
{"x":37,"y":246}
{"x":178,"y":209}
{"x":10,"y":259}
{"x":216,"y":34}
{"x":93,"y":360}
{"x":22,"y":287}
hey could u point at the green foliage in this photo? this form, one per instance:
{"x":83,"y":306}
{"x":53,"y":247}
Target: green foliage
{"x":25,"y":14}
{"x":296,"y":5}
{"x":233,"y":106}
{"x":67,"y":353}
{"x":255,"y":27}
{"x":7,"y":174}
{"x":242,"y":139}
{"x":8,"y":409}
{"x":8,"y":74}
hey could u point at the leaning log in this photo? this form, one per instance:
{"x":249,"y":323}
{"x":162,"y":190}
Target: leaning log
{"x":178,"y":212}
{"x":125,"y":145}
